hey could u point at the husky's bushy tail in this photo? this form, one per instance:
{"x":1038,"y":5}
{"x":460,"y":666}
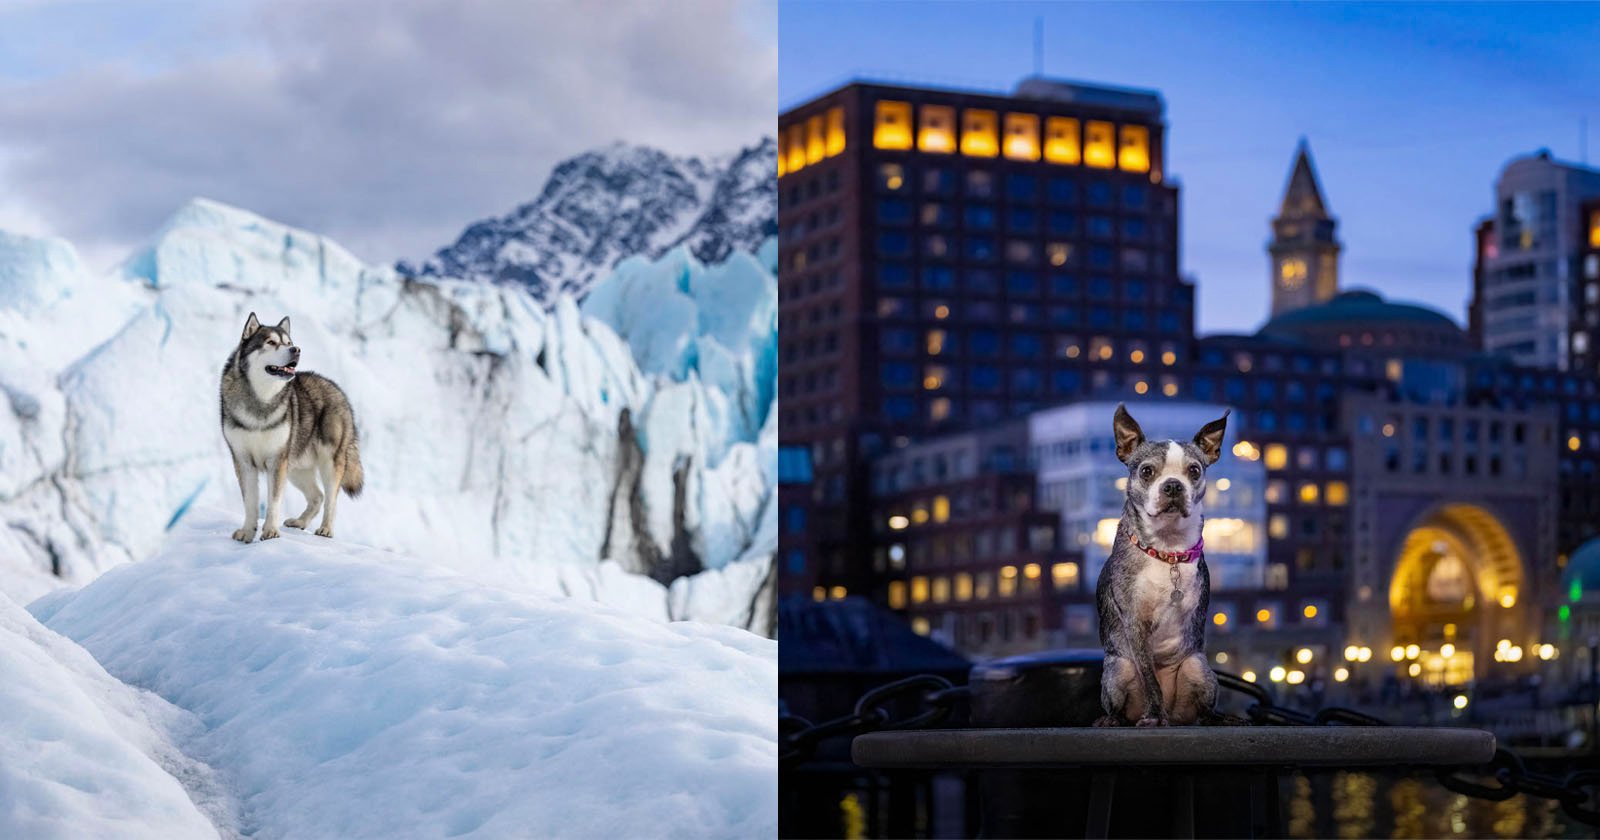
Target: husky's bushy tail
{"x":353,"y":477}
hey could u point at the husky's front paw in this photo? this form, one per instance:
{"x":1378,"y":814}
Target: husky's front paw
{"x":1108,"y":720}
{"x":244,"y":534}
{"x":295,"y":523}
{"x":325,"y":531}
{"x":1152,"y":721}
{"x":269,"y":532}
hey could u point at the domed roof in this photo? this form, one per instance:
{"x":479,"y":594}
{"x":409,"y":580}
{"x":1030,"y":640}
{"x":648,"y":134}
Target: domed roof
{"x":1356,"y":310}
{"x":1583,"y":569}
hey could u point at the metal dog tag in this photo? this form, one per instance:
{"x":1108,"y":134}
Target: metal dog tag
{"x":1177,"y":592}
{"x":1177,"y":597}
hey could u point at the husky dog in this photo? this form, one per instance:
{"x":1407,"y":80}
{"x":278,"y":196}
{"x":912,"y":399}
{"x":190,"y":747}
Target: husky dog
{"x":286,"y":424}
{"x":1154,"y":590}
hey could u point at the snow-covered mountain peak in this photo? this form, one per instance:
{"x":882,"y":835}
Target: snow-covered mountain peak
{"x":613,"y":202}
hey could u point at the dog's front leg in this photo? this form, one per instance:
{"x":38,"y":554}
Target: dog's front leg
{"x":250,"y":489}
{"x":1154,"y":709}
{"x":275,"y":479}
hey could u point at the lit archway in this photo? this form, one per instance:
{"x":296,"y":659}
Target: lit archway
{"x":1457,"y":589}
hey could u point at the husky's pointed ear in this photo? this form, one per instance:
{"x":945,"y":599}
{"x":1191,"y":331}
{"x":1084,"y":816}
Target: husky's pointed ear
{"x":1209,"y":438}
{"x":250,"y":327}
{"x":1128,"y":433}
{"x":284,"y":325}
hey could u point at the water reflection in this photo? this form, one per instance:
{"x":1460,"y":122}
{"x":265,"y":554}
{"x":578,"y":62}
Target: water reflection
{"x":1354,"y":805}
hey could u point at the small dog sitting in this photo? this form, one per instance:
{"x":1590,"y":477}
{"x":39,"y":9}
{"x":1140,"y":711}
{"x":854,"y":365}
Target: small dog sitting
{"x":1154,"y":590}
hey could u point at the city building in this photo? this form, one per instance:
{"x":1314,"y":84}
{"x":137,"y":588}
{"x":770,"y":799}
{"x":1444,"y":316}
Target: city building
{"x":1304,"y":249}
{"x":950,"y":259}
{"x":1585,"y":326}
{"x":1531,"y":263}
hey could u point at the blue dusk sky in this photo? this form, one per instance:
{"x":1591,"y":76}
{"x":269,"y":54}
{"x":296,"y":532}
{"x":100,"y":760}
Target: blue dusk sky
{"x":1410,"y":111}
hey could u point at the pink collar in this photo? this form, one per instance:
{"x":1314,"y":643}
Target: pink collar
{"x":1172,"y":558}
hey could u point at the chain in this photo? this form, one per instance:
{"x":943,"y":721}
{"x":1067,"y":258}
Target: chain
{"x":936,"y":697}
{"x":798,"y":737}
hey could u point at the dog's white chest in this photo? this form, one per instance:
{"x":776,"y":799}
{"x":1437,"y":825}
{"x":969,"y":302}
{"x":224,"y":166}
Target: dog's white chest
{"x":258,"y":447}
{"x":1169,"y":620}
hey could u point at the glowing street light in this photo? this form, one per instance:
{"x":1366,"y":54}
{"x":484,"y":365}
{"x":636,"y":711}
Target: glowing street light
{"x":1397,"y":653}
{"x":1277,"y":673}
{"x":1341,"y":674}
{"x":1447,"y":650}
{"x":1547,"y":651}
{"x":1248,"y":676}
{"x":1460,"y":702}
{"x":1415,"y":669}
{"x":1303,"y":656}
{"x":1352,"y":653}
{"x":1366,"y":653}
{"x":1296,"y":677}
{"x":1412,"y":651}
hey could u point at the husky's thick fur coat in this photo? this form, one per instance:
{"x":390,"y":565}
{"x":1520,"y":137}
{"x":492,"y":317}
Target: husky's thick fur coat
{"x":1154,"y":590}
{"x":289,"y":425}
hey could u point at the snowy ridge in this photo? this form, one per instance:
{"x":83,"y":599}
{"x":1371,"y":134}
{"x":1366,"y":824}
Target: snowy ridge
{"x":82,"y":755}
{"x":612,"y":203}
{"x":342,"y":691}
{"x":527,"y":448}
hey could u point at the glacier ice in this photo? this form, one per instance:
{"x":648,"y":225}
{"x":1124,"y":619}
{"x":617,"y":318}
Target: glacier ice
{"x":530,"y":448}
{"x":341,"y":691}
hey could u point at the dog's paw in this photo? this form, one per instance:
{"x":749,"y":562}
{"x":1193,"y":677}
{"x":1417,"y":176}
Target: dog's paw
{"x":1151,"y":721}
{"x":1108,"y":720}
{"x":269,"y":533}
{"x":325,"y":531}
{"x":244,"y":535}
{"x":295,"y":523}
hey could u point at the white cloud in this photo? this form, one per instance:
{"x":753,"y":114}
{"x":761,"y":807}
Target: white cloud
{"x":387,"y":125}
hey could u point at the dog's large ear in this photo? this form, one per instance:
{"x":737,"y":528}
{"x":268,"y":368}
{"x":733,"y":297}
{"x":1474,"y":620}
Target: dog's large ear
{"x":284,"y":325}
{"x":250,"y":328}
{"x":1129,"y":435}
{"x":1209,"y":438}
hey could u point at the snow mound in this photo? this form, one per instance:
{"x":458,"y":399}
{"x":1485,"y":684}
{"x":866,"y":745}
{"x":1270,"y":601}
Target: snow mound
{"x":349,"y":692}
{"x":82,"y":755}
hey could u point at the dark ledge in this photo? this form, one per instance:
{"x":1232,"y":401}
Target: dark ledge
{"x":1235,"y":746}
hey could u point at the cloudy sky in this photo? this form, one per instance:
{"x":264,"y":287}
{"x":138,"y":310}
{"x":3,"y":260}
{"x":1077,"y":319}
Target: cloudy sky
{"x":1411,"y":111}
{"x":387,"y":125}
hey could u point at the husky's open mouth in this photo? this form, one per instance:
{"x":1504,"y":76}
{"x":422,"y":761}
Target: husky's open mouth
{"x":285,"y":372}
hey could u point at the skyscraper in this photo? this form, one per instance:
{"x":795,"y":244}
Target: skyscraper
{"x":1530,"y":285}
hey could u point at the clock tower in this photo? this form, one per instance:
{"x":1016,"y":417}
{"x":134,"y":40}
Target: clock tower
{"x":1304,"y":251}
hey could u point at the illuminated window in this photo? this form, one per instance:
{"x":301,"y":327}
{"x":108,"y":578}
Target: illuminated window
{"x":1169,"y":387}
{"x":941,"y":589}
{"x":1064,"y":575}
{"x":1058,"y":252}
{"x":819,"y":593}
{"x":1338,"y":493}
{"x":941,"y":508}
{"x":897,"y":594}
{"x":1275,"y":491}
{"x":978,"y":133}
{"x":919,"y":589}
{"x":963,"y":587}
{"x":1277,"y":456}
{"x":1141,"y":387}
{"x":919,"y":625}
{"x":933,"y":377}
{"x":1169,"y":358}
{"x":816,"y":143}
{"x":1031,"y":571}
{"x":1594,"y":229}
{"x":1278,"y":526}
{"x":892,"y":129}
{"x":837,"y":593}
{"x":936,"y":341}
{"x":835,"y":131}
{"x":1022,"y":137}
{"x":919,"y":515}
{"x":1008,"y":581}
{"x":1099,"y":145}
{"x":939,"y":409}
{"x":1133,"y":153}
{"x":936,"y":131}
{"x":797,"y":147}
{"x":1308,"y":492}
{"x":1061,"y":140}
